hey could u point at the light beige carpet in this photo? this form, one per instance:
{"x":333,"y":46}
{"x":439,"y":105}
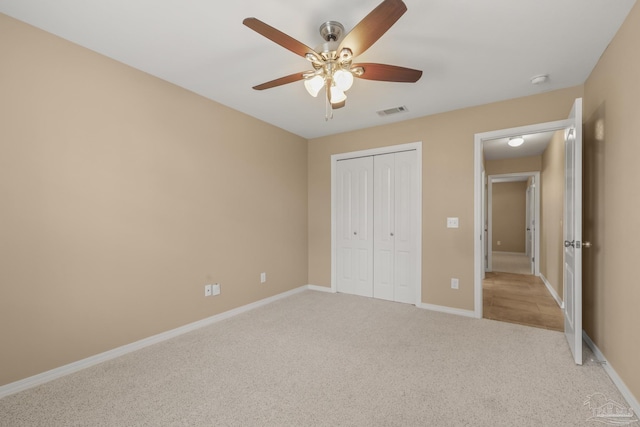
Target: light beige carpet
{"x":316,"y":359}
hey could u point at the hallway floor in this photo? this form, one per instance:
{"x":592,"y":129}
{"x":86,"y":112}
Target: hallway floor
{"x":522,"y":299}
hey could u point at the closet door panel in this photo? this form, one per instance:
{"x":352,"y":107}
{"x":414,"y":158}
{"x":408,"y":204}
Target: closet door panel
{"x":355,"y":226}
{"x":406,"y":226}
{"x":384,"y":225}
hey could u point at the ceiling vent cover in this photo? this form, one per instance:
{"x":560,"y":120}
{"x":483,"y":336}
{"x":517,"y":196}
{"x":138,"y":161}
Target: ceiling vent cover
{"x":390,"y":111}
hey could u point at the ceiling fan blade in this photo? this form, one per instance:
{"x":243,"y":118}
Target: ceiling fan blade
{"x":278,"y":37}
{"x":373,"y":26}
{"x":388,"y":73}
{"x":281,"y":81}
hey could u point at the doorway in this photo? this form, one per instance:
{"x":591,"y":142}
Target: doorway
{"x":368,"y":241}
{"x":572,"y":244}
{"x":482,"y":248}
{"x":519,"y":202}
{"x":513,"y":290}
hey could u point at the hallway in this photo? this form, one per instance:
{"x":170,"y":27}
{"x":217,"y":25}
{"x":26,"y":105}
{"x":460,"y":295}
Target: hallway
{"x":520,"y":298}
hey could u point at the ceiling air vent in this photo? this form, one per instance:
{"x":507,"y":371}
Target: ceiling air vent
{"x":390,"y":111}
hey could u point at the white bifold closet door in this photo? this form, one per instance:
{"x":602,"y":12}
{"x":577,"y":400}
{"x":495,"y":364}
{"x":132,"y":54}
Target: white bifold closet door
{"x":355,"y":226}
{"x":394,"y":227}
{"x":377,"y":225}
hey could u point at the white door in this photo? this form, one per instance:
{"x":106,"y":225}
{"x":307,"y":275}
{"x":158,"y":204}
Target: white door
{"x":384,"y":214}
{"x":527,"y":221}
{"x":354,"y":233}
{"x":531,"y":224}
{"x":573,"y":232}
{"x":485,"y":226}
{"x":395,"y":226}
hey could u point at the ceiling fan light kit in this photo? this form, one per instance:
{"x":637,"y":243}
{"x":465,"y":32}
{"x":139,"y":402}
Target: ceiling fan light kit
{"x":332,"y":62}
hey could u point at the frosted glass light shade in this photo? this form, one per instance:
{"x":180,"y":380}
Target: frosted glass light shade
{"x":343,"y":79}
{"x":313,"y":85}
{"x":337,"y":95}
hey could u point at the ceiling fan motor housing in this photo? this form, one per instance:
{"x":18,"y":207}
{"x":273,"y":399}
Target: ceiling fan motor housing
{"x":331,"y":31}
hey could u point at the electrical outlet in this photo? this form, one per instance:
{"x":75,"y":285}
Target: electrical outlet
{"x":207,"y":290}
{"x":454,"y":283}
{"x":263,"y":277}
{"x":453,"y":222}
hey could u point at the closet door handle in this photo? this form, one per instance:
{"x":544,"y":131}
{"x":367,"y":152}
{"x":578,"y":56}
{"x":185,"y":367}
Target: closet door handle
{"x":391,"y":234}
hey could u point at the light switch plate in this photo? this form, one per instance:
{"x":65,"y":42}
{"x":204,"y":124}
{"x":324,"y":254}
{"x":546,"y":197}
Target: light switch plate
{"x":452,"y":222}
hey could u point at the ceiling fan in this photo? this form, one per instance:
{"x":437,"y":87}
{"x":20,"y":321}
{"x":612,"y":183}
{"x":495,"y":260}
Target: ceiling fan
{"x":333,"y":67}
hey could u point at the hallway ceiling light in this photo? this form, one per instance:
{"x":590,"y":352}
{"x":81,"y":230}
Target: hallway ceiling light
{"x":516,"y":141}
{"x":537,"y":80}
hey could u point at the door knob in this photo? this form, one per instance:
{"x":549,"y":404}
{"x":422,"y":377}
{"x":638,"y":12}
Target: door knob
{"x":586,"y":244}
{"x":391,"y":234}
{"x":568,"y":244}
{"x":355,"y":233}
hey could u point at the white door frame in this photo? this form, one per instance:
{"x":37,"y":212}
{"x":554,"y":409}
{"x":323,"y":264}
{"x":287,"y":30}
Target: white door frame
{"x":478,"y":140}
{"x":512,"y":177}
{"x":417,"y":146}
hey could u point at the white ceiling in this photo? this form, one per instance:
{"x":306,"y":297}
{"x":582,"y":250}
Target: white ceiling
{"x":472,"y":52}
{"x":534,"y":145}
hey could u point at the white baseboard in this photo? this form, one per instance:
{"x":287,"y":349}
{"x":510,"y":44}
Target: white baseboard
{"x":624,"y":390}
{"x":70,"y":368}
{"x":320,"y":289}
{"x":445,"y":309}
{"x":552,"y":291}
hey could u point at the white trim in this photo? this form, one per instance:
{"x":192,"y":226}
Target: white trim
{"x":622,"y":387}
{"x":70,"y":368}
{"x":478,"y":140}
{"x":417,"y":146}
{"x":448,"y":310}
{"x":552,"y":291}
{"x":510,"y":177}
{"x":321,"y":289}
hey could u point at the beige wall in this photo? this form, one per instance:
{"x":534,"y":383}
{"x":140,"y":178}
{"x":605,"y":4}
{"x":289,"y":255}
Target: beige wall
{"x":612,"y":201}
{"x":513,"y":165}
{"x":122,"y":196}
{"x":448,"y":185}
{"x":551,"y":212}
{"x":509,"y":210}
